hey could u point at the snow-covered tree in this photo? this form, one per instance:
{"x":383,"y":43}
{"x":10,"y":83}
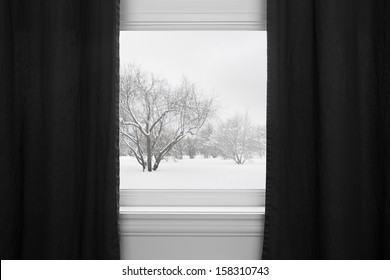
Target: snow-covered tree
{"x":208,"y":145}
{"x":177,"y":151}
{"x":236,"y":139}
{"x":124,"y":149}
{"x":191,"y":145}
{"x":154,"y":117}
{"x":260,"y":140}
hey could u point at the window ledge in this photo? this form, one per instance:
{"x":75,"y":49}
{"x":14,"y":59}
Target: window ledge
{"x":222,"y":198}
{"x":124,"y":211}
{"x":192,"y":221}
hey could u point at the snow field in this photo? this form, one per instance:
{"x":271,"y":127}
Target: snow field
{"x":198,"y":173}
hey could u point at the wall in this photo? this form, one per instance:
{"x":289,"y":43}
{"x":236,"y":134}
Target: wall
{"x":191,"y":232}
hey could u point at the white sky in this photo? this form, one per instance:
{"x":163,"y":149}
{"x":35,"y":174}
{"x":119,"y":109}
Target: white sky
{"x":229,"y":64}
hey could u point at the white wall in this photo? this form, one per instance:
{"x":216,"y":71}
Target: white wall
{"x":190,"y":248}
{"x":191,"y":233}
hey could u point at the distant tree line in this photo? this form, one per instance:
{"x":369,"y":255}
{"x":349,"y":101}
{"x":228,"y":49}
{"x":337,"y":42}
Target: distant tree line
{"x":234,"y":138}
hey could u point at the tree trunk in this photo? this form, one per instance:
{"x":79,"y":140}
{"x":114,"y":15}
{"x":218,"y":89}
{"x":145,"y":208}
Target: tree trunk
{"x":156,"y":163}
{"x":161,"y":155}
{"x":181,"y":153}
{"x":149,"y":153}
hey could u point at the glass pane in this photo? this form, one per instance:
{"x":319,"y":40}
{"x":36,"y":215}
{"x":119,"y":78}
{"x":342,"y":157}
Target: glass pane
{"x":193,"y":109}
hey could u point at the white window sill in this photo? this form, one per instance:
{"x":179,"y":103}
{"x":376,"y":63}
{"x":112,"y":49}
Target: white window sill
{"x":192,"y":211}
{"x":192,"y":221}
{"x":192,"y":198}
{"x":238,"y":213}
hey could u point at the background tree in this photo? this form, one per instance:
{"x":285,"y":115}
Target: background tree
{"x":260,"y":140}
{"x":208,"y":145}
{"x":177,"y":151}
{"x":191,"y":146}
{"x":236,"y":139}
{"x":155,"y":117}
{"x":124,"y":149}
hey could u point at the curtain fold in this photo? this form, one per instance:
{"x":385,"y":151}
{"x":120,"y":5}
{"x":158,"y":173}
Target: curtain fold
{"x":328,"y":146}
{"x":59,"y":178}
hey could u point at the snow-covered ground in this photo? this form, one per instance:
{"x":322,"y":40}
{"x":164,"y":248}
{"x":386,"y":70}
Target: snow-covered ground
{"x":198,"y":173}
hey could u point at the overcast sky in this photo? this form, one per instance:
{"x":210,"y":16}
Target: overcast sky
{"x":229,"y":64}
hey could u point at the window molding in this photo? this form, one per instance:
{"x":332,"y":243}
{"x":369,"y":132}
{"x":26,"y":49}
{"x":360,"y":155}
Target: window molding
{"x":237,"y":213}
{"x":192,"y":221}
{"x":192,"y":198}
{"x":193,"y":15}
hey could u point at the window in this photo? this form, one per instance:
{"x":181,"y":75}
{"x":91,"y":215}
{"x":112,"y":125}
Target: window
{"x":156,"y":210}
{"x":193,"y":106}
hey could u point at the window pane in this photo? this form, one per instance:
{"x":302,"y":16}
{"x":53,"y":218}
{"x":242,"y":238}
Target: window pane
{"x":193,"y":109}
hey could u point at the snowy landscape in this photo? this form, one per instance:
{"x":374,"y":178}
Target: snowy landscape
{"x":192,"y":110}
{"x":198,"y":173}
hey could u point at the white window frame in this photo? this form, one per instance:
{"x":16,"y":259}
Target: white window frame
{"x":138,"y":206}
{"x":193,"y":15}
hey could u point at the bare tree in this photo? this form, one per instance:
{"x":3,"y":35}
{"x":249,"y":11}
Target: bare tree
{"x":260,"y":140}
{"x":155,"y":117}
{"x":191,"y":146}
{"x":236,"y":139}
{"x":208,"y":145}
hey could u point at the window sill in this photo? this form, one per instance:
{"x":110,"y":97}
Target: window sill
{"x":192,"y":210}
{"x":192,"y":198}
{"x":192,"y":221}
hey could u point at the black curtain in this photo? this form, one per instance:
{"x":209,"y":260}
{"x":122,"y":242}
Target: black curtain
{"x":59,"y":129}
{"x":328,"y":166}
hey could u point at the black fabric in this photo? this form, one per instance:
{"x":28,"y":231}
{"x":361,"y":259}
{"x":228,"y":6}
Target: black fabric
{"x":59,"y":129}
{"x":328,"y":165}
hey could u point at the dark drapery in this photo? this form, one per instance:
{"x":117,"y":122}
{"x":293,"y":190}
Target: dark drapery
{"x":328,"y":165}
{"x":59,"y":131}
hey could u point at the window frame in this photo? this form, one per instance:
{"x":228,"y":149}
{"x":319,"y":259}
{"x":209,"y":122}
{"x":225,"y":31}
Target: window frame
{"x":143,"y":15}
{"x":193,"y":15}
